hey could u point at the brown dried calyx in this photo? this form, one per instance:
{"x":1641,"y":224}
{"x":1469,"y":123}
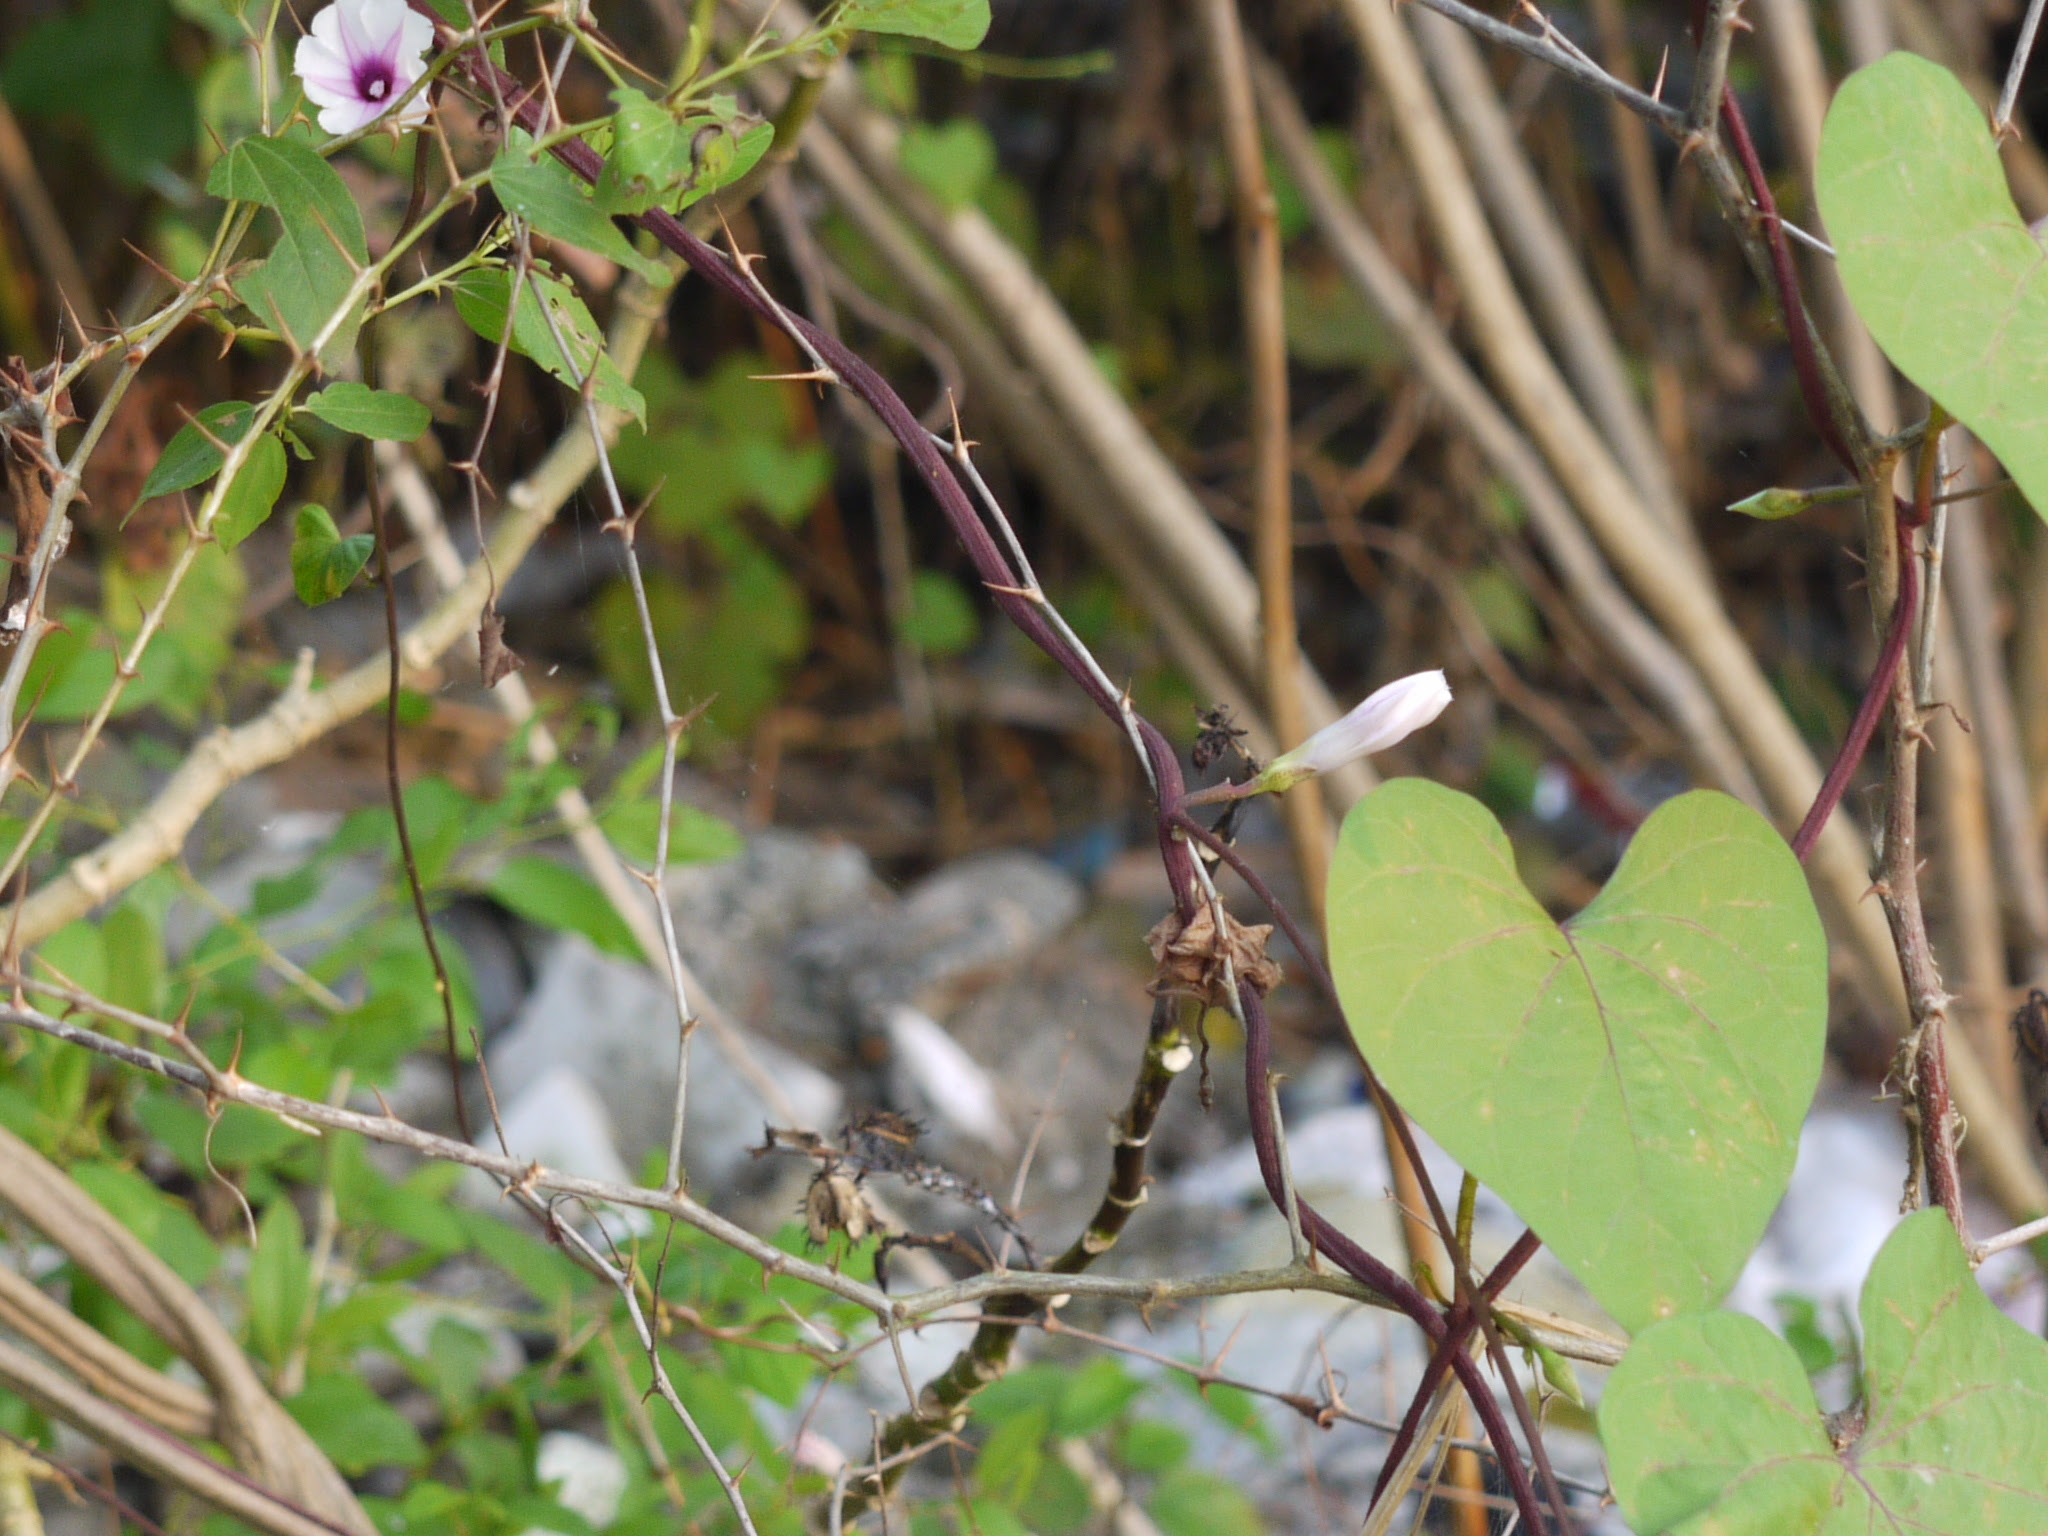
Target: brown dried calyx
{"x":835,"y":1202}
{"x":1191,"y":957}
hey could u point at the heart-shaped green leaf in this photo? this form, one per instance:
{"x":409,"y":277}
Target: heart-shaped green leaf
{"x":1711,"y":1426}
{"x":323,"y":562}
{"x":1632,"y":1083}
{"x":1936,"y":258}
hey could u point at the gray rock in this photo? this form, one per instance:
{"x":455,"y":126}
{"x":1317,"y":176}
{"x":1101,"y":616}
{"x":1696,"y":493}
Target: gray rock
{"x":590,"y":1475}
{"x":613,"y":1024}
{"x":933,"y":1073}
{"x":965,"y":926}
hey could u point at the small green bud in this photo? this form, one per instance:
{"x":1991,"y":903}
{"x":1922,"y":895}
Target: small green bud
{"x":1771,"y":505}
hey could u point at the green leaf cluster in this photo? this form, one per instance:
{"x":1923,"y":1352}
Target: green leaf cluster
{"x":1632,"y":1081}
{"x":309,"y":1308}
{"x":658,"y":158}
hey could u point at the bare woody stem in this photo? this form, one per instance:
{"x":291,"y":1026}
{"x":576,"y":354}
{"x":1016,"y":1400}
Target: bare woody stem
{"x":1723,"y":19}
{"x":1924,"y":1067}
{"x":1893,"y":566}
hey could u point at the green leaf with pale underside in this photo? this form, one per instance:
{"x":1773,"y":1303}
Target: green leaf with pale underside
{"x":1936,"y":258}
{"x":1712,"y":1429}
{"x":1631,"y":1083}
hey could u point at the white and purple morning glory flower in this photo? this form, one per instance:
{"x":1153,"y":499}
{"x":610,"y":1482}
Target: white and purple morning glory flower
{"x":358,"y":57}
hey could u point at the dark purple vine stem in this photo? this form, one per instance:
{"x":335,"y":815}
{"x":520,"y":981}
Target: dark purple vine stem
{"x":1462,"y":1322}
{"x":1367,"y":1270}
{"x":1875,"y":696}
{"x":1006,"y":587}
{"x":1798,"y":325}
{"x":1467,"y":1315}
{"x":1813,"y":391}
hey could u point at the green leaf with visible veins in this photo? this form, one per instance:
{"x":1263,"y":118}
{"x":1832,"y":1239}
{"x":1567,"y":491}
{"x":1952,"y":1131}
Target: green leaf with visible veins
{"x":1936,"y":258}
{"x":1631,"y":1083}
{"x":319,"y":248}
{"x":482,"y":296}
{"x":1712,"y":1429}
{"x":196,"y":452}
{"x":545,"y":193}
{"x":370,"y":412}
{"x":960,"y":24}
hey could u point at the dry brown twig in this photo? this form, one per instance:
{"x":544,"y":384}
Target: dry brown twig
{"x":266,"y":1443}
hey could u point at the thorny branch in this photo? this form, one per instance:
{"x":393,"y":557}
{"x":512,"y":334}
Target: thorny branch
{"x":226,"y":1087}
{"x":1923,"y":1064}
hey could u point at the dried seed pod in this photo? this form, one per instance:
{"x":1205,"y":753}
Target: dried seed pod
{"x":1191,"y":957}
{"x":835,"y":1202}
{"x":1217,"y":736}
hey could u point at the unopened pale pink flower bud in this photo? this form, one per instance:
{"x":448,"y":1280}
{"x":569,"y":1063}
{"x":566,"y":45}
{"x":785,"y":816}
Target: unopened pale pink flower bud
{"x":1392,"y":714}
